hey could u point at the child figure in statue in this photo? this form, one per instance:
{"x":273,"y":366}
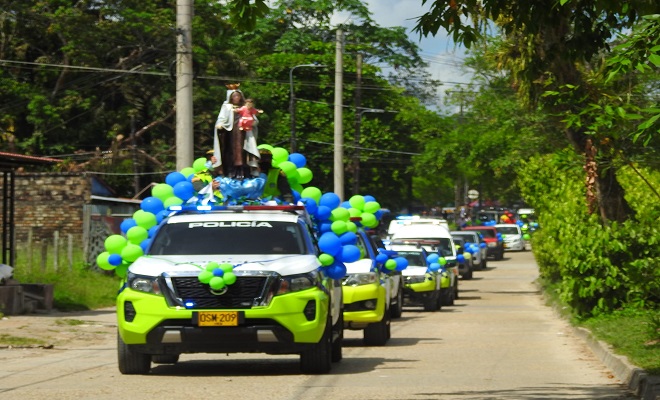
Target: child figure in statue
{"x":247,"y":113}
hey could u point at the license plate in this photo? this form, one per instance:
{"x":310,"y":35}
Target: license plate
{"x":217,"y":318}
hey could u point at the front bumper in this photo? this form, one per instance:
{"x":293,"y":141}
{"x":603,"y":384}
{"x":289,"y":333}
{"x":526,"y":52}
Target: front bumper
{"x":281,"y":327}
{"x":363,"y":304}
{"x":517,"y":245}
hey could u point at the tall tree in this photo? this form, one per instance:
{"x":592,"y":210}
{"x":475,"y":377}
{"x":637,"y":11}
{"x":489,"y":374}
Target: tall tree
{"x":551,"y":43}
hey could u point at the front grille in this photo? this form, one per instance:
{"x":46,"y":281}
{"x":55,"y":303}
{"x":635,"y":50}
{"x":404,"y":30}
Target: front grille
{"x":244,"y":293}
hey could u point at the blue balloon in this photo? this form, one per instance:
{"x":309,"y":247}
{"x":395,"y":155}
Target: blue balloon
{"x":348,"y":238}
{"x":330,"y":200}
{"x":218,"y":272}
{"x":115,"y":259}
{"x":183,"y":190}
{"x":336,"y":271}
{"x":310,"y":205}
{"x":152,"y":231}
{"x":152,"y":204}
{"x":401,"y":263}
{"x":346,"y":204}
{"x":460,"y":258}
{"x":127,"y":224}
{"x":298,"y":159}
{"x":329,"y":243}
{"x":325,"y":227}
{"x":296,"y":195}
{"x":432,"y":258}
{"x":145,"y":245}
{"x":381,"y":258}
{"x":174,"y":177}
{"x":483,"y":245}
{"x":368,"y":198}
{"x":350,"y":253}
{"x":323,"y":212}
{"x":434,"y":267}
{"x":379,"y":214}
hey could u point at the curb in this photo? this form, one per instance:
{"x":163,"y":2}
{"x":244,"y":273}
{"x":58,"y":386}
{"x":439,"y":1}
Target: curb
{"x":644,"y":385}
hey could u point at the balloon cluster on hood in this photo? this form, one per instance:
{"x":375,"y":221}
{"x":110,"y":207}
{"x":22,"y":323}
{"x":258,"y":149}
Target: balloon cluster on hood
{"x":336,"y":223}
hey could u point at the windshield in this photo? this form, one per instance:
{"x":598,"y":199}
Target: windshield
{"x":228,"y":237}
{"x":468,"y":237}
{"x":508,"y":230}
{"x":487,"y":233}
{"x":415,"y":258}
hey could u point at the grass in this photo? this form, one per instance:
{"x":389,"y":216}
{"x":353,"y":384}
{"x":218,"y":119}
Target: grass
{"x":77,"y":287}
{"x":631,"y":333}
{"x":9,"y":340}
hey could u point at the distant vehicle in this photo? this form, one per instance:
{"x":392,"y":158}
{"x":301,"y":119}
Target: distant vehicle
{"x":414,"y":220}
{"x":421,"y":285}
{"x":435,"y":239}
{"x":479,"y":258}
{"x":494,"y":243}
{"x":512,"y":236}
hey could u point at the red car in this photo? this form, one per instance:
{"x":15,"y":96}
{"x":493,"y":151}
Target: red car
{"x":494,"y":243}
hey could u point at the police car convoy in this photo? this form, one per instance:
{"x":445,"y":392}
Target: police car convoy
{"x":275,"y":296}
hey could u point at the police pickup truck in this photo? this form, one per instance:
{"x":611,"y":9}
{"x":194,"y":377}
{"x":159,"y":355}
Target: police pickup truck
{"x":230,"y":279}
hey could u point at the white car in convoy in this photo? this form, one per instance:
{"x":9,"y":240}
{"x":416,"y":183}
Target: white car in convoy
{"x":512,"y":236}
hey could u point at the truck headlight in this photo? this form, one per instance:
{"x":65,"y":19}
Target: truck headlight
{"x":492,"y":244}
{"x":360,"y":279}
{"x":146,"y":284}
{"x":417,"y":278}
{"x":296,"y":283}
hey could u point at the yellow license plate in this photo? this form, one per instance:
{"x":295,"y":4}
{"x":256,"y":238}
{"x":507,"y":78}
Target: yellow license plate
{"x":217,"y":318}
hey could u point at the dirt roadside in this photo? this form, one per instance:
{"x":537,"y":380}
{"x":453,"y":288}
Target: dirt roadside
{"x":58,"y":329}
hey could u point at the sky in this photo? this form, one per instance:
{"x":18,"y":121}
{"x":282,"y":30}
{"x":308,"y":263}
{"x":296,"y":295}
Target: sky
{"x":440,"y":52}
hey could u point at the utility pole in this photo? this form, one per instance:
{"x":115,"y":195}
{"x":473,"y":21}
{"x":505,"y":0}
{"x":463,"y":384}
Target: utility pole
{"x":339,"y":128}
{"x":358,"y":121}
{"x":184,"y":84}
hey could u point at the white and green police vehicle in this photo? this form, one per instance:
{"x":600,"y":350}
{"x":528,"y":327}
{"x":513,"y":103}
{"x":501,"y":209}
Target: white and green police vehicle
{"x":276,"y":298}
{"x":422,"y":285}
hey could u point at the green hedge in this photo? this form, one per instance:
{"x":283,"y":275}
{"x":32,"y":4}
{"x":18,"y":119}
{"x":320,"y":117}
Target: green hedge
{"x":597,"y":268}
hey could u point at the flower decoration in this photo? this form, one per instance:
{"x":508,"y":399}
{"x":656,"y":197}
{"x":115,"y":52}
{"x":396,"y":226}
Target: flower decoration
{"x":217,"y":276}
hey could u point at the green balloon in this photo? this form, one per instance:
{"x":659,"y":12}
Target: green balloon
{"x":211,"y":266}
{"x":205,"y":276}
{"x":137,"y":234}
{"x":145,"y":219}
{"x":312,"y":192}
{"x":297,"y":187}
{"x":467,"y":256}
{"x":230,"y":278}
{"x":369,"y":220}
{"x":357,"y":201}
{"x":292,"y":177}
{"x":172,"y":201}
{"x":354,"y":212}
{"x":326,"y":259}
{"x":287,"y":166}
{"x":217,"y":283}
{"x":351,"y":226}
{"x":340,"y":214}
{"x":121,"y":270}
{"x":339,"y":227}
{"x":371,"y":207}
{"x":390,"y":264}
{"x":306,"y":175}
{"x":280,"y":154}
{"x":102,"y":261}
{"x":442,"y":261}
{"x":114,"y":244}
{"x":527,"y":236}
{"x":187,"y":171}
{"x":162,"y":191}
{"x":131,"y":252}
{"x":265,"y":146}
{"x":199,"y":165}
{"x":226,"y":267}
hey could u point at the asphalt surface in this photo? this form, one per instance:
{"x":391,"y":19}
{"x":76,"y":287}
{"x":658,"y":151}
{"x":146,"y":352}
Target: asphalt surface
{"x":499,"y":341}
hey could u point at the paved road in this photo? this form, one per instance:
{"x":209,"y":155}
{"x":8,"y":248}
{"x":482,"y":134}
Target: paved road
{"x":498,"y":342}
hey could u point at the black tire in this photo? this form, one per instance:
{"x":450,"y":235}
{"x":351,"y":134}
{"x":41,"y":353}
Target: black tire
{"x":438,"y":299}
{"x":468,"y":275}
{"x":397,"y":309}
{"x":131,"y":362}
{"x":318,"y":359}
{"x":378,"y":333}
{"x":500,"y":256}
{"x":431,"y":303}
{"x":338,"y":343}
{"x":165,"y":358}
